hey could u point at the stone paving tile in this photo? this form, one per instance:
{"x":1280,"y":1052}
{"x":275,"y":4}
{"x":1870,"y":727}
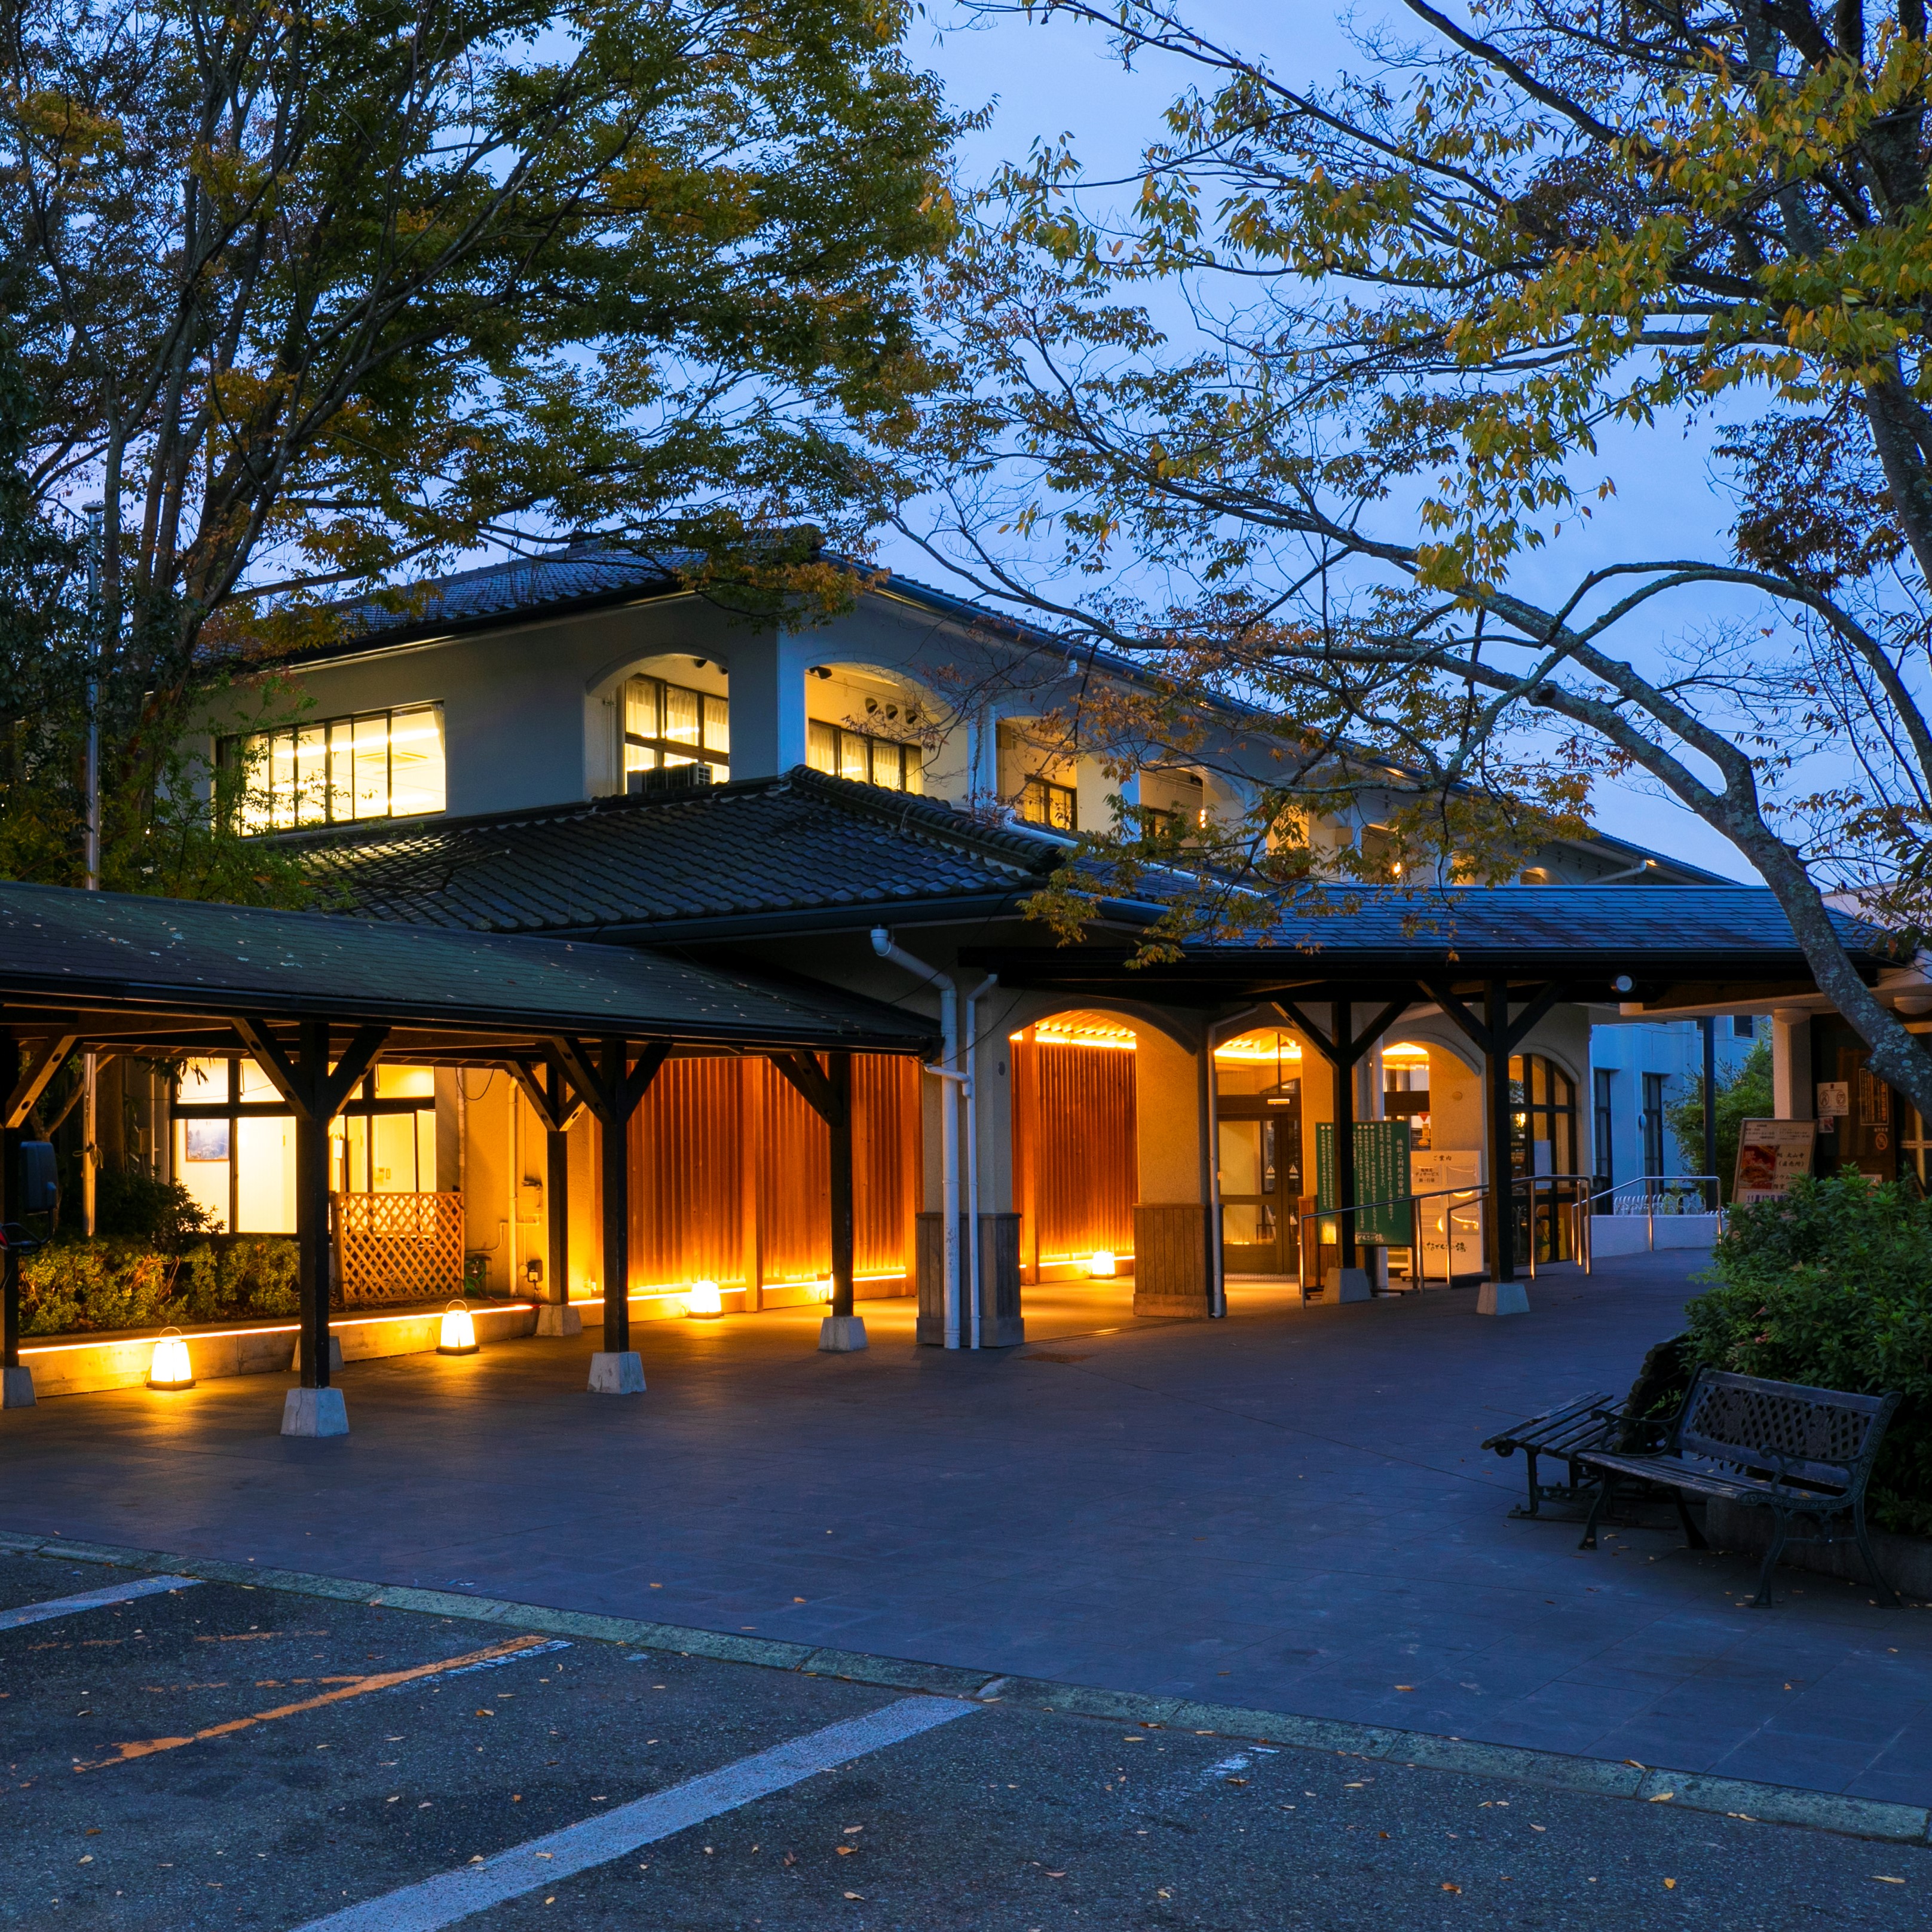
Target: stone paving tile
{"x":1287,"y":1511}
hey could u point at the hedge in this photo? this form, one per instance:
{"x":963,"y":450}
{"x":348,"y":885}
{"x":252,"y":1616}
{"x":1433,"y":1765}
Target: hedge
{"x":1832,"y":1286}
{"x":82,"y":1287}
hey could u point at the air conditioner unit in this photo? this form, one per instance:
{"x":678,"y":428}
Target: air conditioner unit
{"x":669,"y":777}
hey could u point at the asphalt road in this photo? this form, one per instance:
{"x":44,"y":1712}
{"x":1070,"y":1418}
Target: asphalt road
{"x":214,"y":1756}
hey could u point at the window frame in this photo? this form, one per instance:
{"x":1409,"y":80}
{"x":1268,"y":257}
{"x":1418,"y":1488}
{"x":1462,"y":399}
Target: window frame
{"x":666,"y":752}
{"x":1047,"y":793}
{"x":847,"y":745}
{"x":349,"y":726}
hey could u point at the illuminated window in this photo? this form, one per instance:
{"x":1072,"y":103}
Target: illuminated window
{"x":1056,"y":806}
{"x":376,"y":764}
{"x":666,"y":725}
{"x":235,"y":1147}
{"x":865,"y":759}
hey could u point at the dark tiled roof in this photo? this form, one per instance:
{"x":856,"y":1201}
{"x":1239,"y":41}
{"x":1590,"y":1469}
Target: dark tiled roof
{"x":759,"y":849}
{"x":1474,"y":922}
{"x":583,"y":575}
{"x":189,"y":956}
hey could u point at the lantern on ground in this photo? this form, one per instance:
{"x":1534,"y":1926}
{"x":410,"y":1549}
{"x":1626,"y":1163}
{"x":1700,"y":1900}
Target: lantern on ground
{"x":1104,"y":1264}
{"x":170,"y":1369}
{"x":702,"y":1300}
{"x":459,"y":1332}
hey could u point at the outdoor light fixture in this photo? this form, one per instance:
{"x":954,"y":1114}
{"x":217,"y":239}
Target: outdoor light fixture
{"x":171,"y":1368}
{"x":1103,"y":1263}
{"x":459,"y":1332}
{"x":702,"y":1300}
{"x":533,"y":1270}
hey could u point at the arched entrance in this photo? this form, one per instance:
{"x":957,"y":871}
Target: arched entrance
{"x":1075,"y":1147}
{"x":1259,"y":1151}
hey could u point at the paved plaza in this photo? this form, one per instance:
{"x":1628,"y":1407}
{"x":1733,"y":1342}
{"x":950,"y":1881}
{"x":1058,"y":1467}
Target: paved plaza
{"x":1287,"y":1511}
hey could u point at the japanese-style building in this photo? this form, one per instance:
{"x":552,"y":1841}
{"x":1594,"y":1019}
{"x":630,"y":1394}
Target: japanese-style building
{"x":579,"y":753}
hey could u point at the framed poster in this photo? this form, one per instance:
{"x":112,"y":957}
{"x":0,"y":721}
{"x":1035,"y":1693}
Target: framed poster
{"x":1771,"y":1154}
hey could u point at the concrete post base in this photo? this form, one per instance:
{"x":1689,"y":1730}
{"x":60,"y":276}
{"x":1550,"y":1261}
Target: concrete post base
{"x":1502,"y":1297}
{"x":314,"y":1412}
{"x":842,"y":1334}
{"x":553,"y":1319}
{"x":334,"y":1355}
{"x":17,"y":1388}
{"x":617,"y":1375}
{"x":1342,"y":1284}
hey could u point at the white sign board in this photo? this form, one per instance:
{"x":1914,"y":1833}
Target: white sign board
{"x":1452,"y":1225}
{"x":1771,"y":1154}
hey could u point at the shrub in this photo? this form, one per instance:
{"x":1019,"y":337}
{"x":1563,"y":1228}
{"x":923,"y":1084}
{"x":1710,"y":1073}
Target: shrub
{"x":140,"y":1208}
{"x":87,"y":1287}
{"x":1746,"y":1096}
{"x":1832,"y":1286}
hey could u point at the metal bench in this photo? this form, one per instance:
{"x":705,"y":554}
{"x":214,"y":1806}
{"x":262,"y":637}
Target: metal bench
{"x":1780,"y":1446}
{"x":1584,"y":1422}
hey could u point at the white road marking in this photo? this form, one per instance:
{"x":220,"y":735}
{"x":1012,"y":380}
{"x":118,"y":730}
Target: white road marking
{"x":453,"y":1895}
{"x":93,"y":1600}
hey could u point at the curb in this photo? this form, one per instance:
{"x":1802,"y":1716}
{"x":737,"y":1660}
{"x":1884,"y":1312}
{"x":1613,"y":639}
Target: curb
{"x":1598,"y":1778}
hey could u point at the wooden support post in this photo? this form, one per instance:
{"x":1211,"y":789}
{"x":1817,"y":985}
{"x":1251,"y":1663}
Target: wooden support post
{"x":556,"y":1206}
{"x":611,"y":1085}
{"x":16,"y":1383}
{"x":1502,"y":1190}
{"x":614,"y":1149}
{"x":1712,"y":1189}
{"x":1343,"y":1067}
{"x":316,"y":1093}
{"x":840,"y":1122}
{"x":830,"y":1097}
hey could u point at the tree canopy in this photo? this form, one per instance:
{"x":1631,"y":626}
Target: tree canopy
{"x":315,"y":298}
{"x":1425,"y":313}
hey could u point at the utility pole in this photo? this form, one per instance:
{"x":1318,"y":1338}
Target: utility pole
{"x":90,"y":1064}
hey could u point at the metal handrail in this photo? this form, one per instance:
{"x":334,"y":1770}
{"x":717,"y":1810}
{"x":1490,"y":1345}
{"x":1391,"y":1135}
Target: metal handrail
{"x":1579,"y":1230}
{"x":1700,"y":1181}
{"x":1471,"y":1191}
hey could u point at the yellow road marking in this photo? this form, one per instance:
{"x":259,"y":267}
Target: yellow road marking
{"x":359,"y":1687}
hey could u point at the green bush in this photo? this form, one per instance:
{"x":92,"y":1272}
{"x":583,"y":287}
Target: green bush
{"x":1832,"y":1286}
{"x":140,"y":1208}
{"x":86,"y":1287}
{"x":1746,"y":1096}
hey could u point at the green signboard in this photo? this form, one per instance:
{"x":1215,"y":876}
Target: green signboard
{"x":1382,"y":1175}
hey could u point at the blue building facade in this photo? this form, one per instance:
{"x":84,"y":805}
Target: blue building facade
{"x":1640,"y":1069}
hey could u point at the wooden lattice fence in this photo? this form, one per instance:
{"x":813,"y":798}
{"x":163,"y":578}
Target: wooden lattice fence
{"x":397,"y":1247}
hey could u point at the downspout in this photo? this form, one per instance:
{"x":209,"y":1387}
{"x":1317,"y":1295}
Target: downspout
{"x":949,"y":1074}
{"x":970,"y":1047}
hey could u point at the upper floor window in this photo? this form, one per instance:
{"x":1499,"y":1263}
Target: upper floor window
{"x":373,"y":764}
{"x":865,"y":759}
{"x":1057,"y":806}
{"x":667,"y":724}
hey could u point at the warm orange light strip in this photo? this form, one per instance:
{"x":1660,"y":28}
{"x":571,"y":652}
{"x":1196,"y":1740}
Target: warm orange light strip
{"x":1259,"y":1048}
{"x":278,"y":1328}
{"x":730,"y":1287}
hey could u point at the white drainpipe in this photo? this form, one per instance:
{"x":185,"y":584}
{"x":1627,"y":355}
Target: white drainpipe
{"x":970,"y":1047}
{"x":948,"y":1114}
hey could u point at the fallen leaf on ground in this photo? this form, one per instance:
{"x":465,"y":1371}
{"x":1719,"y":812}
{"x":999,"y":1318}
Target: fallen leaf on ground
{"x":1448,"y":1887}
{"x":1885,"y":1878}
{"x":1662,"y":1798}
{"x":1670,"y":1885}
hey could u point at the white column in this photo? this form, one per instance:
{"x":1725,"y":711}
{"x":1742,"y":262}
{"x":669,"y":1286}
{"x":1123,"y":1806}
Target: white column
{"x":767,"y":680}
{"x":1791,"y":1063}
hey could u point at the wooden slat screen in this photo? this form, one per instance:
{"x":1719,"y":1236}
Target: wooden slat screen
{"x":686,"y":1142}
{"x":1085,"y":1158}
{"x":688,"y":1146}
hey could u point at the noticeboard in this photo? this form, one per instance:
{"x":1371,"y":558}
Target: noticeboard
{"x":1771,"y":1154}
{"x":1382,"y":1175}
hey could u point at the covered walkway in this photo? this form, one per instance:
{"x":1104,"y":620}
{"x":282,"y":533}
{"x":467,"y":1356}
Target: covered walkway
{"x":316,"y":1001}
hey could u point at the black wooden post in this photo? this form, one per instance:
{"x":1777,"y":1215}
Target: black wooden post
{"x":1343,"y":1067}
{"x":312,"y":1245}
{"x":840,"y":1123}
{"x":556,"y":1204}
{"x":613,"y":1137}
{"x":1710,"y":1187}
{"x":1502,"y":1193}
{"x":9,"y":1211}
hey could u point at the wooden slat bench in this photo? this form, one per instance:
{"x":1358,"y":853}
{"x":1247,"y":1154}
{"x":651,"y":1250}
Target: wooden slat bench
{"x":1780,"y":1446}
{"x":1564,"y":1433}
